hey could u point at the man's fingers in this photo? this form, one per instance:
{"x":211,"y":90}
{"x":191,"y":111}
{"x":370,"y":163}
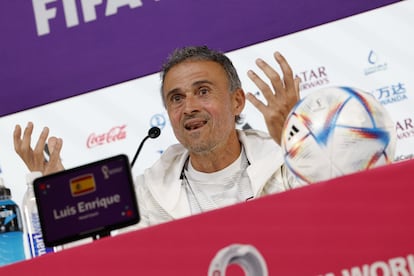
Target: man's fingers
{"x":256,"y":102}
{"x":17,"y":138}
{"x":263,"y":86}
{"x":40,"y":145}
{"x":54,"y":159}
{"x":272,"y":75}
{"x":286,"y":69}
{"x":51,"y":142}
{"x":297,"y":87}
{"x":27,"y":136}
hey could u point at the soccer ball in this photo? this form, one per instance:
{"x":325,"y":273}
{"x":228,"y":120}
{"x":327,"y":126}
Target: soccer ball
{"x":336,"y":131}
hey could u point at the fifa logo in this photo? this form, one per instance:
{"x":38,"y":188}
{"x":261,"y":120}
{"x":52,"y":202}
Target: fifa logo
{"x":105,"y":172}
{"x":108,"y":172}
{"x":45,"y":14}
{"x":317,"y":105}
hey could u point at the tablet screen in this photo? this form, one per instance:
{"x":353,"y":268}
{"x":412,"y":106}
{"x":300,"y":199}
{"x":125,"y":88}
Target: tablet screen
{"x":86,"y":201}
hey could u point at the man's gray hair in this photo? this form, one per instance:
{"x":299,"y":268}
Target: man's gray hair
{"x":201,"y":53}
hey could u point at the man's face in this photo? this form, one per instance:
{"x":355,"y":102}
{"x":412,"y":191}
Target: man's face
{"x":200,"y":106}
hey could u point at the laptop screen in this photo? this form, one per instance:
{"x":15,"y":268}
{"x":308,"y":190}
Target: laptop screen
{"x":86,"y":201}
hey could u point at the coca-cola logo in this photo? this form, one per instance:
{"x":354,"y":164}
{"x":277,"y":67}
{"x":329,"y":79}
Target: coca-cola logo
{"x":116,"y":133}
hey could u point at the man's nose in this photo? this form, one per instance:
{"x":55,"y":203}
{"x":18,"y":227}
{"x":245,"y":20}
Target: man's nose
{"x":192,"y":104}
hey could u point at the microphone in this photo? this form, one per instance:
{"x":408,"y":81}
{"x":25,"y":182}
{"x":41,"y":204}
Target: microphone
{"x":153,"y":133}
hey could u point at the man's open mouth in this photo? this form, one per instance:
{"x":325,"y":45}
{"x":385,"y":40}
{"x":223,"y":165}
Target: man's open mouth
{"x":194,"y":124}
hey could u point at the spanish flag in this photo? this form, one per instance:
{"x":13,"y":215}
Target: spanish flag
{"x":83,"y":184}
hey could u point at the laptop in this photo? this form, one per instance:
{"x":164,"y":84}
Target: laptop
{"x":87,"y":201}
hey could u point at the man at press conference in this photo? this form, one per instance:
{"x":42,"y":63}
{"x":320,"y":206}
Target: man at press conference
{"x":214,"y":165}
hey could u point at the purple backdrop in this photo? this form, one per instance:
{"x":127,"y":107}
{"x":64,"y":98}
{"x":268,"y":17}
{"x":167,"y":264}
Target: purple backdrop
{"x":67,"y":61}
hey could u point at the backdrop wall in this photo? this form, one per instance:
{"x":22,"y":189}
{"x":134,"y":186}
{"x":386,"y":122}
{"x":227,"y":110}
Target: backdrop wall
{"x":55,"y":49}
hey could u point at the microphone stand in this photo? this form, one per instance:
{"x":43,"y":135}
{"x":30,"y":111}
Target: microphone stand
{"x":153,"y":132}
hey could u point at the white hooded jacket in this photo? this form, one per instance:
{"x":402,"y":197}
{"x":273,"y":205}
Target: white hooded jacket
{"x":162,"y":197}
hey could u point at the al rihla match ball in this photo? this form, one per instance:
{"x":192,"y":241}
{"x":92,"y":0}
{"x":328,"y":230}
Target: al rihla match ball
{"x":336,"y":131}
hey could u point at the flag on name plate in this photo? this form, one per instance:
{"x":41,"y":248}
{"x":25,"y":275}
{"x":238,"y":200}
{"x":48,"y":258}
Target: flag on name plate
{"x":83,"y":184}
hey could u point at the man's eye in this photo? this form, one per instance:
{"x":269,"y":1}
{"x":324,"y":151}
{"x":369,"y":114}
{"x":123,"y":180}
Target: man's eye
{"x":203,"y":91}
{"x":176,"y":98}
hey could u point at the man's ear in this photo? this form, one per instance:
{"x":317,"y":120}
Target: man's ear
{"x":239,"y":100}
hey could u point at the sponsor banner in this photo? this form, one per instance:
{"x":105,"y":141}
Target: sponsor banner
{"x":350,"y":226}
{"x":55,"y":49}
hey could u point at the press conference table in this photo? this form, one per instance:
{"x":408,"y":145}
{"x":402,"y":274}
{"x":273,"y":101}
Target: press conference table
{"x":360,"y":223}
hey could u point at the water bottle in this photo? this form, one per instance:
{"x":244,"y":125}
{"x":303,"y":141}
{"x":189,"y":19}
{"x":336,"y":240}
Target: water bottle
{"x":32,"y":225}
{"x":11,"y":228}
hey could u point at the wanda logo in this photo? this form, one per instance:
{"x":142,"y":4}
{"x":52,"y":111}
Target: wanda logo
{"x":114,"y":134}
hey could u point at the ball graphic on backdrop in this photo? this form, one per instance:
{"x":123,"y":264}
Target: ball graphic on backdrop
{"x":336,"y":131}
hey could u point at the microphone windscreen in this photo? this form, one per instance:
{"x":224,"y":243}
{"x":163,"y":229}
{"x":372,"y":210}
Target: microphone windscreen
{"x":154,"y":132}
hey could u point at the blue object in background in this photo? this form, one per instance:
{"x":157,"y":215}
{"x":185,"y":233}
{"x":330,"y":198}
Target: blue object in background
{"x":11,"y":229}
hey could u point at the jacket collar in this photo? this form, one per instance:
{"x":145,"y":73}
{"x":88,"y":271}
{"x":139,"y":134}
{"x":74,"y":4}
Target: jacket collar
{"x":165,"y":181}
{"x":264,"y":155}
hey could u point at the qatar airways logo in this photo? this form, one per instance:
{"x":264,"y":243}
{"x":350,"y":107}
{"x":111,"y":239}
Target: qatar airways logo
{"x":114,"y":134}
{"x":45,"y":11}
{"x":405,"y":128}
{"x":312,"y":78}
